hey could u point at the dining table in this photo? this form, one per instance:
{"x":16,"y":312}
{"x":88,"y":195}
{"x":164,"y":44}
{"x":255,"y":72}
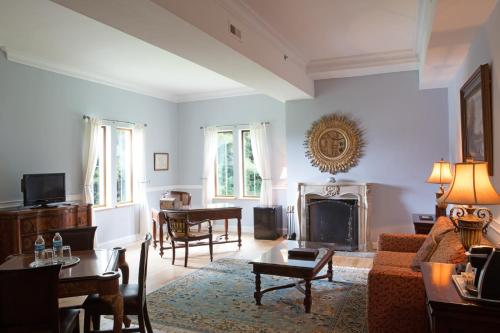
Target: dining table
{"x":95,"y":273}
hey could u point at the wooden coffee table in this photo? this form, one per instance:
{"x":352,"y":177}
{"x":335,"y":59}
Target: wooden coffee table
{"x":276,"y":262}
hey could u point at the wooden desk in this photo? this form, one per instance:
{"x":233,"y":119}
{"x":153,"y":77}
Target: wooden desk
{"x":94,"y":274}
{"x":209,"y":212}
{"x":448,"y":312}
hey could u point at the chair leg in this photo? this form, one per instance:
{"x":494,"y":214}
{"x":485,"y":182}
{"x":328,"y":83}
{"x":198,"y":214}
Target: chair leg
{"x":173,"y":253}
{"x":86,"y":322}
{"x":96,"y":322}
{"x":141,"y":322}
{"x":146,"y":318}
{"x":210,"y":243}
{"x":154,"y":234}
{"x":76,"y":329}
{"x":186,"y":253}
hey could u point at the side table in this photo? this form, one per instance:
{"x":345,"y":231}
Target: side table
{"x":421,"y":224}
{"x":448,"y":312}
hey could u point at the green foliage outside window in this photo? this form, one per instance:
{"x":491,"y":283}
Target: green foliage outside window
{"x":252,"y":181}
{"x":225,"y":165}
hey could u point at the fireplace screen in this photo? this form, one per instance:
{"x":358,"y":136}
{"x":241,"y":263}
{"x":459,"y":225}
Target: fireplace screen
{"x":334,"y":221}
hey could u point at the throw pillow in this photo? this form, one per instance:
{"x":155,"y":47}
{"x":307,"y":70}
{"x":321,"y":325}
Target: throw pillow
{"x":450,"y":249}
{"x":441,"y":227}
{"x":424,"y":253}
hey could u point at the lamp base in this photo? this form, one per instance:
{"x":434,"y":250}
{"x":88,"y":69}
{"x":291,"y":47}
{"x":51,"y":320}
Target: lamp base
{"x":471,"y":223}
{"x":440,"y":206}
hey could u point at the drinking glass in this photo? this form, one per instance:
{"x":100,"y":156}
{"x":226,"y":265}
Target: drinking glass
{"x":66,"y":253}
{"x":47,"y":257}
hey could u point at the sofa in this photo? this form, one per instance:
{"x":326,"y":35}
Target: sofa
{"x":396,"y":292}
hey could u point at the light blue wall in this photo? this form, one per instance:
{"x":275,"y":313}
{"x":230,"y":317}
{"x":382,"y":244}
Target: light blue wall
{"x":405,"y":130}
{"x":41,"y":130}
{"x":230,"y":111}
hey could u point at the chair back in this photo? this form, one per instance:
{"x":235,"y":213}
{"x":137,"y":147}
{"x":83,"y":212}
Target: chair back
{"x":143,"y":268}
{"x":183,"y":197}
{"x":80,"y":239}
{"x":177,"y":224}
{"x":28,"y":299}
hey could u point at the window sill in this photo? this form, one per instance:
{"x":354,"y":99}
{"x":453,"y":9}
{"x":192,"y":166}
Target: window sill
{"x":224,"y":198}
{"x":103,"y":208}
{"x":249,"y":198}
{"x":236,"y":198}
{"x":125,"y":204}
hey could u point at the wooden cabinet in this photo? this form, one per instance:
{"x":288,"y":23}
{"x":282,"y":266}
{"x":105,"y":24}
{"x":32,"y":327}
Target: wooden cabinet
{"x":19,"y":227}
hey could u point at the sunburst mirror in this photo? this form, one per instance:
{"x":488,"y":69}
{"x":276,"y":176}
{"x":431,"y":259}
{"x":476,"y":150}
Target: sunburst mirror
{"x":334,"y":143}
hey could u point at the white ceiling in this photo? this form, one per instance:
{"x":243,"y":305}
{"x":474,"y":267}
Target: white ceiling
{"x":46,"y":35}
{"x":324,"y":29}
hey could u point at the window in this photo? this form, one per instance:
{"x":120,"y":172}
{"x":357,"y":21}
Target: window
{"x":224,"y":165}
{"x":123,"y":165}
{"x":251,"y":179}
{"x":99,"y":181}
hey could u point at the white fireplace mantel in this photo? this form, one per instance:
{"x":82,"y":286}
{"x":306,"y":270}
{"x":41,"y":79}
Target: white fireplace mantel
{"x":336,"y":190}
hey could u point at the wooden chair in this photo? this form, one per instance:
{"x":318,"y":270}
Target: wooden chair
{"x":29,"y":302}
{"x":80,"y":239}
{"x":134,"y":299}
{"x":178,"y":227}
{"x":181,"y":199}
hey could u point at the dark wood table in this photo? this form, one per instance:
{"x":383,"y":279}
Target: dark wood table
{"x":212,"y":212}
{"x":276,"y":262}
{"x":450,"y":313}
{"x":96,"y":273}
{"x":421,"y":225}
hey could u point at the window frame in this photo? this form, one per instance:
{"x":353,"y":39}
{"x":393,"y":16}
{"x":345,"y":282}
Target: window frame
{"x":216,"y":195}
{"x":103,"y":167}
{"x":131,"y":152}
{"x":242,"y":158}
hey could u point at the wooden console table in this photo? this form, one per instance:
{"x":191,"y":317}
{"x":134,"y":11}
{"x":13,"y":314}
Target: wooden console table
{"x":448,"y":312}
{"x":209,"y":212}
{"x":19,"y":226}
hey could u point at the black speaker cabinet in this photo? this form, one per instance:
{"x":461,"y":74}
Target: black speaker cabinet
{"x":267,"y":222}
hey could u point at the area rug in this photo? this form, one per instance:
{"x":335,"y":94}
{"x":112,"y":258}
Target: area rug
{"x":219,"y":298}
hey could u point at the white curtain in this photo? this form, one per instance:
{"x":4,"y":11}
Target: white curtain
{"x":209,"y":153}
{"x":260,"y":150}
{"x":91,"y":148}
{"x":140,"y":178}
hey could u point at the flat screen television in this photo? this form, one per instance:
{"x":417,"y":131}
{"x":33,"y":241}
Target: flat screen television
{"x":43,"y":189}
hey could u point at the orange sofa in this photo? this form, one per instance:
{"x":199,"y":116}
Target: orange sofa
{"x":396,"y":293}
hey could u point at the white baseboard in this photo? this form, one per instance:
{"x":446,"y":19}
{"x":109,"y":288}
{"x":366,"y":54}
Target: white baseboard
{"x":123,"y":241}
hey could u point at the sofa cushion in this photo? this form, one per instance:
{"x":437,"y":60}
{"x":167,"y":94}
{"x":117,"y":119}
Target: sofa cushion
{"x":394,"y":259}
{"x":438,"y":231}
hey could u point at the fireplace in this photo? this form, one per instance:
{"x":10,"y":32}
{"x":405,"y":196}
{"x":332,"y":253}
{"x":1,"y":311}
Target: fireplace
{"x":334,"y":221}
{"x":334,"y":212}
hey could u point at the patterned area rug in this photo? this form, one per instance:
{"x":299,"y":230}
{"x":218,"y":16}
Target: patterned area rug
{"x":219,"y":298}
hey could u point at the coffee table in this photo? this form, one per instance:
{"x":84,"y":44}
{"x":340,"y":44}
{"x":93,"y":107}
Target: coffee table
{"x":276,"y":262}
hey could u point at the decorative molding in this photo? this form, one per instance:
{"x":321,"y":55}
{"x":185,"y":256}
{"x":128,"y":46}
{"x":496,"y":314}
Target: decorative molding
{"x":365,"y":64}
{"x":426,"y":11}
{"x":244,"y":91}
{"x":255,"y":22}
{"x":32,"y":61}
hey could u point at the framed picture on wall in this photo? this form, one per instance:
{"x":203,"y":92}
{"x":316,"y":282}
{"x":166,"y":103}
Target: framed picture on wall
{"x":161,"y":161}
{"x":476,"y":117}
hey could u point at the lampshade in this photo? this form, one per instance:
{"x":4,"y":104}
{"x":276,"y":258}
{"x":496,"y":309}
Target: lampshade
{"x":441,"y":173}
{"x":471,"y":186}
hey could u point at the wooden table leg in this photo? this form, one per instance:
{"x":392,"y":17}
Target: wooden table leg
{"x":257,"y":295}
{"x":155,"y":241}
{"x":226,"y":227}
{"x":329,"y":272}
{"x":116,"y":303}
{"x":123,"y":265}
{"x":161,"y":238}
{"x":308,"y":298}
{"x":239,"y":232}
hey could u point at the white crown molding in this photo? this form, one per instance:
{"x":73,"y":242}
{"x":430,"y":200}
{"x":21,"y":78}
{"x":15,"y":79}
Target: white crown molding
{"x":426,"y":11}
{"x":255,"y":22}
{"x":244,"y":91}
{"x":366,"y":64}
{"x":33,"y":61}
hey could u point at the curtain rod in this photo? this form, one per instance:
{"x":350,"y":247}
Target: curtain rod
{"x":234,"y":125}
{"x":85,"y":117}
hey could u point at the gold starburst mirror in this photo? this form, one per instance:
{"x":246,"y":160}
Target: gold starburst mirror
{"x":334,"y":143}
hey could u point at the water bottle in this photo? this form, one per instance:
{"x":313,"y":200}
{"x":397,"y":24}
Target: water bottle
{"x":57,"y":244}
{"x":39,"y":247}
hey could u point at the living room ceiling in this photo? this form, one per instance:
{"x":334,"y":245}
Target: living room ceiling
{"x":46,"y":35}
{"x":341,"y":38}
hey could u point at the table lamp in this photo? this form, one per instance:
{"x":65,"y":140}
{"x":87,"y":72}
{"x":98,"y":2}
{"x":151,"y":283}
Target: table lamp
{"x":471,"y":186}
{"x":441,"y":174}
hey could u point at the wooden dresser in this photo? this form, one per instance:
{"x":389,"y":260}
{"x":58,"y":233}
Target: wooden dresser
{"x":19,"y":226}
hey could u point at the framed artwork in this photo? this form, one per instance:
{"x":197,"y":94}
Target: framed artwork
{"x":476,"y":117}
{"x":161,"y":161}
